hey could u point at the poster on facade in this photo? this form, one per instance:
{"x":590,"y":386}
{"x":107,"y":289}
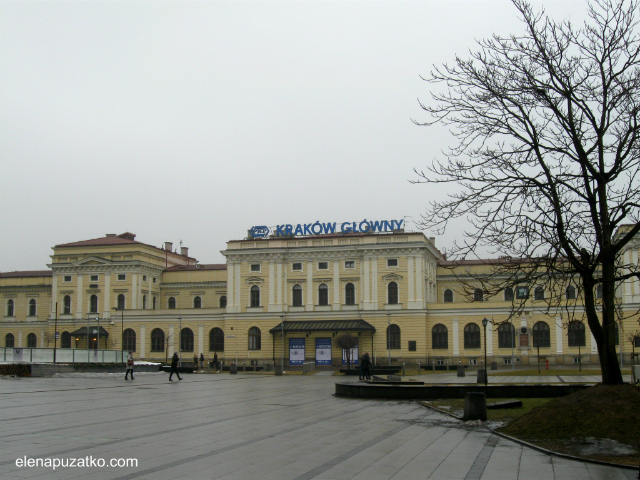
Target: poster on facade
{"x":296,"y":351}
{"x":323,"y":351}
{"x":353,"y":354}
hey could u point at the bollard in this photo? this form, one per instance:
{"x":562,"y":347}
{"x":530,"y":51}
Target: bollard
{"x":403,"y":374}
{"x":475,"y":406}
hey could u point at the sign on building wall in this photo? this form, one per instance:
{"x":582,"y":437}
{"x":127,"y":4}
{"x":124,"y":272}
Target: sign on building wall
{"x":296,"y":351}
{"x":323,"y":351}
{"x":318,"y":228}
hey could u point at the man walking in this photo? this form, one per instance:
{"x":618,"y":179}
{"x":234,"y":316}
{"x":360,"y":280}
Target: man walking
{"x":174,"y":366}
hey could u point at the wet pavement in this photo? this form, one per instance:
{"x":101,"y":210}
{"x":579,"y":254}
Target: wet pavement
{"x":250,"y":426}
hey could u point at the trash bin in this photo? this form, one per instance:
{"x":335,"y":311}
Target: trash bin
{"x":494,"y":365}
{"x":475,"y":406}
{"x":482,"y":376}
{"x":461,"y":371}
{"x":233,"y":368}
{"x":278,"y":370}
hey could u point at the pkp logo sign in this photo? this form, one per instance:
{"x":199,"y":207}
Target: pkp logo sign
{"x":259,"y":231}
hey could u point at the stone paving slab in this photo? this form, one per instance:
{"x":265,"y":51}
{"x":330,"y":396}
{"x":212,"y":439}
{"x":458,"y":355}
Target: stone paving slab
{"x":249,"y":426}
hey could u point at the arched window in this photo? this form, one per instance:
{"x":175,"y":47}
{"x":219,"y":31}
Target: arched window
{"x":448,"y":296}
{"x":541,"y":335}
{"x":538,"y":293}
{"x":508,"y":294}
{"x":349,"y":294}
{"x":254,"y":296}
{"x":154,"y":302}
{"x":471,"y":336}
{"x":66,"y":309}
{"x":157,"y":340}
{"x":439,"y":337}
{"x":32,"y":307}
{"x":9,"y":341}
{"x":172,"y":303}
{"x":392,"y":293}
{"x":571,"y":292}
{"x":393,"y":337}
{"x":121,"y":302}
{"x":296,"y":296}
{"x":144,"y":302}
{"x":10,"y":308}
{"x":576,"y":334}
{"x":93,"y":304}
{"x":186,"y":340}
{"x":478,"y":295}
{"x":216,"y":340}
{"x":223,"y":301}
{"x":32,"y":340}
{"x":197,"y":302}
{"x":323,"y":294}
{"x":255,"y":339}
{"x":65,"y":340}
{"x":506,"y":336}
{"x":129,"y":340}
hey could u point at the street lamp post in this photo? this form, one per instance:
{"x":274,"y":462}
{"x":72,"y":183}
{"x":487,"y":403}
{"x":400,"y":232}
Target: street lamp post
{"x":282,"y":315}
{"x":486,"y":371}
{"x":121,"y":328}
{"x":388,"y":337}
{"x":180,"y":341}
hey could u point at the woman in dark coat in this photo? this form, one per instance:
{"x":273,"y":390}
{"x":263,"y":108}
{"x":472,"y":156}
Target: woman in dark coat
{"x":174,"y":366}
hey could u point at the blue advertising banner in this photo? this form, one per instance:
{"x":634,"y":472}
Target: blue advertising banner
{"x":323,"y":351}
{"x":296,"y":351}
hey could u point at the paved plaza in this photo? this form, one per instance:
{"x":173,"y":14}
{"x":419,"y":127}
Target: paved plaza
{"x":250,"y":426}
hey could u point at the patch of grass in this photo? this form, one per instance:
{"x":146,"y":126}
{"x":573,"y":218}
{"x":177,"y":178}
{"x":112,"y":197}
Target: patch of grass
{"x":600,"y":412}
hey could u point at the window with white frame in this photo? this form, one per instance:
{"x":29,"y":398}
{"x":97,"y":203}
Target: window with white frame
{"x":296,"y":266}
{"x":350,"y":264}
{"x":255,"y":267}
{"x":323,"y":265}
{"x":392,"y":262}
{"x":122,"y":277}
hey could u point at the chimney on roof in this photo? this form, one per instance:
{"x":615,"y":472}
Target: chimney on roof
{"x":128,"y":236}
{"x":168,"y":246}
{"x":184,"y":251}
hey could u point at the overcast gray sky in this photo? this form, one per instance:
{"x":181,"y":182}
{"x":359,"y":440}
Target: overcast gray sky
{"x":195,"y":120}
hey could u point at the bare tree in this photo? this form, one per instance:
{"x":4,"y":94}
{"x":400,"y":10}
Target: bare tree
{"x":49,"y":337}
{"x":346,"y":341}
{"x":547,"y":157}
{"x":634,"y":339}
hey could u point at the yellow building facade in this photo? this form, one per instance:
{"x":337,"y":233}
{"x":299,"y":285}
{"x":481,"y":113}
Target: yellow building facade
{"x":291,"y":297}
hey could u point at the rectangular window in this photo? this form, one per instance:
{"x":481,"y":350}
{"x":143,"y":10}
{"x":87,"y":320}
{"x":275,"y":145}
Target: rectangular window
{"x":121,"y":277}
{"x":392,"y":262}
{"x":412,"y":346}
{"x":94,"y":278}
{"x":67,"y":279}
{"x":440,"y":362}
{"x":522,"y":293}
{"x":323,"y":266}
{"x":507,"y":361}
{"x":473,"y":361}
{"x":255,"y":267}
{"x":154,"y":279}
{"x":350,"y":264}
{"x":144,"y":278}
{"x":296,"y":267}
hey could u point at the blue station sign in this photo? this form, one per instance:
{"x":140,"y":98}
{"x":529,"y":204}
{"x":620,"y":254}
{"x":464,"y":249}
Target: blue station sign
{"x":323,"y":228}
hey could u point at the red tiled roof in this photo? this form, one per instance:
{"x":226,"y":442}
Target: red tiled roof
{"x":200,"y":266}
{"x":122,"y":239}
{"x":30,"y":273}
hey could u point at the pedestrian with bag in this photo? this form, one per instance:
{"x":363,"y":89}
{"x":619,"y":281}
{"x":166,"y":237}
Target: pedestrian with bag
{"x":129,"y":366}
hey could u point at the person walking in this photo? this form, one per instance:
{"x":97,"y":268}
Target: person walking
{"x":174,"y":366}
{"x":129,"y":366}
{"x":195,"y":361}
{"x":215,"y":361}
{"x":201,"y":360}
{"x":366,"y":365}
